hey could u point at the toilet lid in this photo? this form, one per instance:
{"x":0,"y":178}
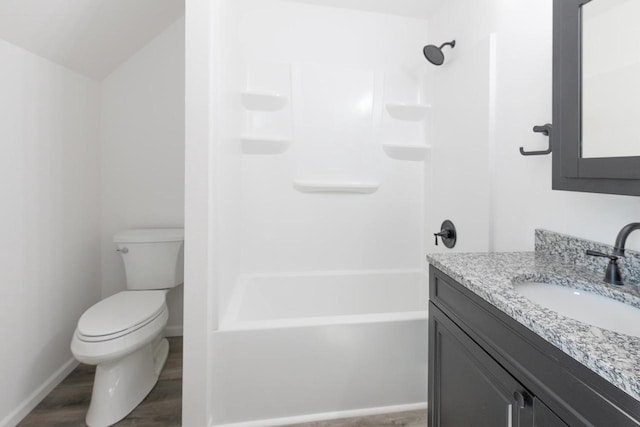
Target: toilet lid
{"x":120,"y":312}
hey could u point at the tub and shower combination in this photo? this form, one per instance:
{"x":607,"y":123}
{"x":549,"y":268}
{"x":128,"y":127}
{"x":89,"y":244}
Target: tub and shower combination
{"x":321,"y":158}
{"x":304,"y":347}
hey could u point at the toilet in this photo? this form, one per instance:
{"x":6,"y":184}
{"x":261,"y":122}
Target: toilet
{"x":123,"y":334}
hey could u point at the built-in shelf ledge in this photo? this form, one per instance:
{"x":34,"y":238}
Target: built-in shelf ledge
{"x":411,"y":152}
{"x":264,"y":145}
{"x":335,"y":186}
{"x":263,"y":101}
{"x":408,"y":112}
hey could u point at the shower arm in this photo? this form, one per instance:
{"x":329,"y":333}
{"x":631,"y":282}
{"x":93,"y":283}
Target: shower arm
{"x":451,"y":43}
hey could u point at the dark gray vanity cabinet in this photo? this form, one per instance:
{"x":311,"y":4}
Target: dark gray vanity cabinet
{"x":486,"y":369}
{"x":469,"y":388}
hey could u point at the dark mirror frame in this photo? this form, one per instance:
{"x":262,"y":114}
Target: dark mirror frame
{"x":612,"y":175}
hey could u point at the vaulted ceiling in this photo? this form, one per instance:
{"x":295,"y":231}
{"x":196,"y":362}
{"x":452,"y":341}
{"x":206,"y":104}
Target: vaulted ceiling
{"x":91,"y":37}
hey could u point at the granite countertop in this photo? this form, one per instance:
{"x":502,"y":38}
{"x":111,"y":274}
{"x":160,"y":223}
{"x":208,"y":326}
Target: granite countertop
{"x":614,"y":356}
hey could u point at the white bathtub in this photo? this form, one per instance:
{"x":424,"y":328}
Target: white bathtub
{"x":305,"y":347}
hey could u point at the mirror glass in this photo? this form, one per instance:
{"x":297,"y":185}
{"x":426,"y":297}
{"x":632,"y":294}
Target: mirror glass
{"x":611,"y":78}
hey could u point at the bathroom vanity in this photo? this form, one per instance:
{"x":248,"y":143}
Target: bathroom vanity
{"x":498,"y":359}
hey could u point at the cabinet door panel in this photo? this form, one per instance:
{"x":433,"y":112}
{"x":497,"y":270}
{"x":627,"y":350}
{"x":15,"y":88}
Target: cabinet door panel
{"x":466,"y":386}
{"x":543,"y":417}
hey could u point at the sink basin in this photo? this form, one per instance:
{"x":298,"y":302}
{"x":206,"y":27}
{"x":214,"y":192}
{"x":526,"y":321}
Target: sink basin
{"x":584,"y":306}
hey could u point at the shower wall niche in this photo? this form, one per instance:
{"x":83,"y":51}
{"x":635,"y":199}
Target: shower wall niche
{"x":266,"y":99}
{"x":337,"y":115}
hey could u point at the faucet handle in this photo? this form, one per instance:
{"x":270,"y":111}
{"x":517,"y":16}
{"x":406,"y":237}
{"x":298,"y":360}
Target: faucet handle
{"x":612,"y":275}
{"x":602,"y":255}
{"x":447,"y":233}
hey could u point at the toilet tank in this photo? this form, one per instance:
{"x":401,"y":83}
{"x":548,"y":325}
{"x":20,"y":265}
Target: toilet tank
{"x":153,"y":257}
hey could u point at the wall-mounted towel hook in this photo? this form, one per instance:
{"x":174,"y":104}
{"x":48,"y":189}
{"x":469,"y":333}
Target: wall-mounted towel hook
{"x":545,"y":130}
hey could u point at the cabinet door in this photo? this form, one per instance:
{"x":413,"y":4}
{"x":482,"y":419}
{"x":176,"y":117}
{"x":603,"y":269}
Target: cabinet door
{"x":466,"y":386}
{"x":543,"y":417}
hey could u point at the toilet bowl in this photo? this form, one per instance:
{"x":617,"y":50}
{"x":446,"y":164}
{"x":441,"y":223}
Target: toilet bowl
{"x":123,"y":334}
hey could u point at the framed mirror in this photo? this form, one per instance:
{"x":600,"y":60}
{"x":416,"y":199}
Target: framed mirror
{"x":596,"y":96}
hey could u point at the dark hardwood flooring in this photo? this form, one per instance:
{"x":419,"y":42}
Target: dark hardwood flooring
{"x":67,"y":404}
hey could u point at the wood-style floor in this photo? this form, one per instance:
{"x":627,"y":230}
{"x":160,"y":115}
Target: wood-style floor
{"x":67,"y":404}
{"x":400,"y":419}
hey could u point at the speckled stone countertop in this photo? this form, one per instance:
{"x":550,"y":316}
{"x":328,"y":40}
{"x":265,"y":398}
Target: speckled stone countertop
{"x":614,"y":356}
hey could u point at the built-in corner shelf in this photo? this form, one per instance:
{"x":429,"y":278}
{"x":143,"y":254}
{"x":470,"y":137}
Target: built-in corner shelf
{"x":407,"y":112}
{"x":361,"y":187}
{"x":264,"y":145}
{"x":411,"y":152}
{"x":263,"y":101}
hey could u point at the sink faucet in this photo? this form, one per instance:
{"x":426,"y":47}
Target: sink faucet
{"x":621,"y":240}
{"x":612,"y":275}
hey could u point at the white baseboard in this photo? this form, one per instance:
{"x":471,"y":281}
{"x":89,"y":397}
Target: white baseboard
{"x":171,"y":331}
{"x":327,"y":416}
{"x":27,"y":405}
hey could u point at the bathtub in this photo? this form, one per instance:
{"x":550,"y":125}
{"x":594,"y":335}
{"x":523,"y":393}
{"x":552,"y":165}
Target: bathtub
{"x":306,"y":347}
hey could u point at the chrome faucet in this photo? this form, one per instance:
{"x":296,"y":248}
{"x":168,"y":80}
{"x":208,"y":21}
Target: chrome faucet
{"x":621,"y":240}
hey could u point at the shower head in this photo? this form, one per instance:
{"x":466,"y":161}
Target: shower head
{"x":434,"y":54}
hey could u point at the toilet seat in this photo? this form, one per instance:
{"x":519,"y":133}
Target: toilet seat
{"x":120,"y":314}
{"x":119,"y":325}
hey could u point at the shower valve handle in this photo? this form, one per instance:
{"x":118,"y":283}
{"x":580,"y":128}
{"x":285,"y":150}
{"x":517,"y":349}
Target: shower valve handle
{"x":445,"y":234}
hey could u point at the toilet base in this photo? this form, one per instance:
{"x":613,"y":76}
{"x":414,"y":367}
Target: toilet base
{"x":120,"y":385}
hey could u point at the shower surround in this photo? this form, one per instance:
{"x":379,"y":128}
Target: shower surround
{"x":321,"y":153}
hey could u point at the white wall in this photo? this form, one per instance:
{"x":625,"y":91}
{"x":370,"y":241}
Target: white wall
{"x":49,"y":250}
{"x":80,"y":160}
{"x":520,"y":85}
{"x":142,"y":152}
{"x":459,"y":187}
{"x":204,"y":19}
{"x":524,"y":200}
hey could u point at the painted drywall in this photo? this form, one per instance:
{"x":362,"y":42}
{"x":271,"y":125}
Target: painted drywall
{"x":49,"y":250}
{"x":142,"y":152}
{"x":462,"y":130}
{"x":519,"y":85}
{"x":459,"y":187}
{"x":203,"y":20}
{"x":89,"y":37}
{"x":523,"y":198}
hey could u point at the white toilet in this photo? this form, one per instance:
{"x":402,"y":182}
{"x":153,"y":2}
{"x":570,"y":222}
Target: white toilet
{"x":123,"y":334}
